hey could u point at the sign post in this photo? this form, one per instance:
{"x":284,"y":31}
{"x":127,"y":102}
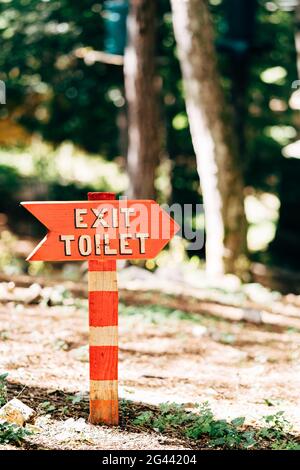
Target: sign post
{"x":102,"y":230}
{"x":103,"y":324}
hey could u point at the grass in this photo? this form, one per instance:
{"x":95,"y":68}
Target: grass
{"x":203,"y":428}
{"x":156,"y":314}
{"x":12,"y":434}
{"x":198,"y":430}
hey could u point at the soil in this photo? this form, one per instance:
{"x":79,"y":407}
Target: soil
{"x":241,"y":369}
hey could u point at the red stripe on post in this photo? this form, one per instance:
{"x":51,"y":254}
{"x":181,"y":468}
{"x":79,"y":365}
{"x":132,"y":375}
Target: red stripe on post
{"x":103,"y":362}
{"x":102,"y":265}
{"x":103,"y":311}
{"x":103,"y":308}
{"x":105,"y":411}
{"x":101,"y":196}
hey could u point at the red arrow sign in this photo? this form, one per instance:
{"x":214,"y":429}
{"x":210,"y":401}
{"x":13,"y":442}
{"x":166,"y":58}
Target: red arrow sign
{"x":99,"y":230}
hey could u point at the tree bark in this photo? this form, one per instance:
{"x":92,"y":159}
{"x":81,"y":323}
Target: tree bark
{"x":144,"y":143}
{"x":213,"y":138}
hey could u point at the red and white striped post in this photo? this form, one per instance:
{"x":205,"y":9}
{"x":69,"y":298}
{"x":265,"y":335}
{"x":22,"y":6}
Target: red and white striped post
{"x":103,"y":343}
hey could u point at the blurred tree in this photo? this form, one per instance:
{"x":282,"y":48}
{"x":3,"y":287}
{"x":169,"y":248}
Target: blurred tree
{"x":285,"y":247}
{"x":144,"y":142}
{"x":63,"y":95}
{"x":297,"y":34}
{"x":213,"y":138}
{"x":237,"y":43}
{"x":42,"y":71}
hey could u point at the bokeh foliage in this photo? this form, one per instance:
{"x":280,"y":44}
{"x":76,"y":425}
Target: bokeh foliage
{"x":62,"y":97}
{"x":66,"y":99}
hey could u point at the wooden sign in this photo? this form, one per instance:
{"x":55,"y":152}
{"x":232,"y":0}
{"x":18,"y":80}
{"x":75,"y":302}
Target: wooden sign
{"x":102,"y":230}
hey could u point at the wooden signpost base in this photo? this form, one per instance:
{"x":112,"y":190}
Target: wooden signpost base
{"x":103,"y":345}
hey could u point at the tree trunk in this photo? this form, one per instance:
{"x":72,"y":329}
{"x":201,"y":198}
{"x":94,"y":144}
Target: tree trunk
{"x":297,"y":36}
{"x":144,"y":144}
{"x":213,"y":138}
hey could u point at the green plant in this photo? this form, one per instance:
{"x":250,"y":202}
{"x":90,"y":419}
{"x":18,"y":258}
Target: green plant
{"x":74,"y":399}
{"x":220,"y":433}
{"x":268,"y":402}
{"x":276,"y":426}
{"x":46,"y":407}
{"x":174,"y":419}
{"x":3,"y":389}
{"x":277,"y":429}
{"x":230,"y":434}
{"x":157,"y":314}
{"x":144,"y":418}
{"x":64,"y":410}
{"x":11,"y":433}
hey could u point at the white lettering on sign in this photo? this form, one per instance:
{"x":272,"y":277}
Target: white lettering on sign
{"x":124,"y":245}
{"x":85,"y":245}
{"x":107,"y":249}
{"x":101,"y":243}
{"x":127,"y":211}
{"x":100,"y":214}
{"x":115,"y":218}
{"x":142,"y":237}
{"x":99,"y":218}
{"x":67,"y":239}
{"x":79,"y":218}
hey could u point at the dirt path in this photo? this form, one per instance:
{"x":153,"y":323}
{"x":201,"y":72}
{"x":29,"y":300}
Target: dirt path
{"x":241,"y":369}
